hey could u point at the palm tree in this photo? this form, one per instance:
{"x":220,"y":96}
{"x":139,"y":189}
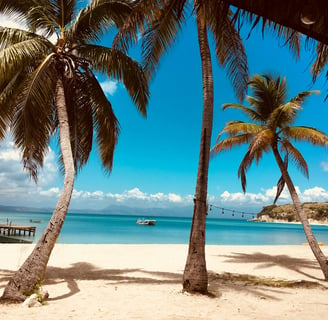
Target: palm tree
{"x":271,"y":129}
{"x":161,"y":21}
{"x":50,"y":89}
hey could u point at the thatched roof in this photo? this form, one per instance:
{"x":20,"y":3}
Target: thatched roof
{"x":309,"y":17}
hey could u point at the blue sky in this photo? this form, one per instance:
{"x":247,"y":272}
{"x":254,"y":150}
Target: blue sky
{"x":155,"y":163}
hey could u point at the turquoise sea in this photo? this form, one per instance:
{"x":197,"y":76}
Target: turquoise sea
{"x":101,"y":228}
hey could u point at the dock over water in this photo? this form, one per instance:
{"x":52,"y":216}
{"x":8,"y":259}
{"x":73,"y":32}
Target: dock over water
{"x":16,"y":230}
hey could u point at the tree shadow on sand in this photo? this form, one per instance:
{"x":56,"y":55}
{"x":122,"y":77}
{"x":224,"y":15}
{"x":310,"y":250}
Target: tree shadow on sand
{"x":267,"y":261}
{"x":218,"y":283}
{"x":87,"y":271}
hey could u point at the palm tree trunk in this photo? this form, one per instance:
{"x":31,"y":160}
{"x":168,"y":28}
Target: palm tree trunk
{"x":31,"y":273}
{"x":195,"y":277}
{"x":322,"y":260}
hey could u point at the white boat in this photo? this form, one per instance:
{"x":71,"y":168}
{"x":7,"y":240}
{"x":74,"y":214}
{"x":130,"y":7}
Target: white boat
{"x":146,"y":222}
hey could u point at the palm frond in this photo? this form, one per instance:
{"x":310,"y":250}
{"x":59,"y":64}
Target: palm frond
{"x":17,"y":8}
{"x":80,"y":116}
{"x":320,"y":61}
{"x":300,"y":97}
{"x":229,"y":143}
{"x":36,"y":14}
{"x":10,"y":36}
{"x":243,"y":167}
{"x":307,"y":134}
{"x":260,"y":143}
{"x":249,"y":112}
{"x":32,"y":122}
{"x":19,"y":55}
{"x":144,"y":13}
{"x":106,"y":124}
{"x":92,"y":21}
{"x":119,"y":66}
{"x":162,"y":33}
{"x":281,"y":182}
{"x":269,"y":93}
{"x":233,"y":128}
{"x":64,"y":11}
{"x":280,"y":187}
{"x":229,"y":46}
{"x":296,"y":156}
{"x":8,"y":95}
{"x":290,"y":37}
{"x":283,"y":116}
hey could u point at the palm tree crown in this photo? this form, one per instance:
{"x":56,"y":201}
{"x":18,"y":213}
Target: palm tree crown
{"x":31,"y":65}
{"x":273,"y":117}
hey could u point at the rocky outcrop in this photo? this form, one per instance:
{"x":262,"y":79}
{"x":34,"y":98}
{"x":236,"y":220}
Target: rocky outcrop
{"x":317,"y":212}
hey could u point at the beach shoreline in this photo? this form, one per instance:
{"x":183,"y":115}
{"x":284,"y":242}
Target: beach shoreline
{"x":113,"y":281}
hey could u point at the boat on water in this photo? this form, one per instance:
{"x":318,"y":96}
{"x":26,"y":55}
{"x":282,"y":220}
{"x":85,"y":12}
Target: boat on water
{"x":146,"y":222}
{"x":35,"y":221}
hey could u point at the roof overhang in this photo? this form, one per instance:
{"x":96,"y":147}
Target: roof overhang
{"x":309,"y":17}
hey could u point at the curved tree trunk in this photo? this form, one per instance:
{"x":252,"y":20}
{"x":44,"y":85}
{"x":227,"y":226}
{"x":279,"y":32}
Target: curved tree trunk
{"x":322,"y":260}
{"x":195,"y":277}
{"x":31,"y":273}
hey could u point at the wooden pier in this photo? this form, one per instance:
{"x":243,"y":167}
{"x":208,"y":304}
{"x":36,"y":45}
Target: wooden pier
{"x":15,"y":230}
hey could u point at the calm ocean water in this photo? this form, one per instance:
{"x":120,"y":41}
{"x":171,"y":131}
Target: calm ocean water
{"x":97,"y":228}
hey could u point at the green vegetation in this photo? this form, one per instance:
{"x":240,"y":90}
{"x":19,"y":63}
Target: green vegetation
{"x":315,"y":211}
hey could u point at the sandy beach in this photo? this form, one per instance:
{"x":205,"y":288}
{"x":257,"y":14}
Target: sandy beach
{"x":144,"y":282}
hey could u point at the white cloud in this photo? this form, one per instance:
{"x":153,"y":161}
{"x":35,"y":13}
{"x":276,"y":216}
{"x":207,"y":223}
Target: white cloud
{"x":52,"y":192}
{"x":109,"y":87}
{"x":138,"y":198}
{"x":16,"y":188}
{"x":324,"y":166}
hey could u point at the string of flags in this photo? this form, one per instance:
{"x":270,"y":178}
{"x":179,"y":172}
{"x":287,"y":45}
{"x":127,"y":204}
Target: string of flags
{"x":222,"y":211}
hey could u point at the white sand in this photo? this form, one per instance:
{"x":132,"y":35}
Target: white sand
{"x":144,"y":282}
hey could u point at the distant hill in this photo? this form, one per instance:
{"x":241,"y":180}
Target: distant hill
{"x":317,"y":212}
{"x":4,"y":208}
{"x":112,"y":210}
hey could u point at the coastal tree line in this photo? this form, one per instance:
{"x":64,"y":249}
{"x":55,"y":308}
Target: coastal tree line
{"x":50,"y":90}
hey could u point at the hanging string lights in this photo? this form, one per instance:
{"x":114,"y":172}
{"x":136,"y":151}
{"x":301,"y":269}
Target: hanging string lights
{"x":234,"y":213}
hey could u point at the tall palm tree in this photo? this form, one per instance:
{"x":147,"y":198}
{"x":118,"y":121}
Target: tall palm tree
{"x":161,"y":21}
{"x":271,"y":129}
{"x":50,"y":89}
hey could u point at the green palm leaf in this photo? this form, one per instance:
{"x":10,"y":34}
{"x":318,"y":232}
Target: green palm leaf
{"x":92,"y":21}
{"x":106,"y":124}
{"x":230,"y":51}
{"x":119,"y":66}
{"x":32,"y":123}
{"x":162,"y":33}
{"x":142,"y":16}
{"x":307,"y":134}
